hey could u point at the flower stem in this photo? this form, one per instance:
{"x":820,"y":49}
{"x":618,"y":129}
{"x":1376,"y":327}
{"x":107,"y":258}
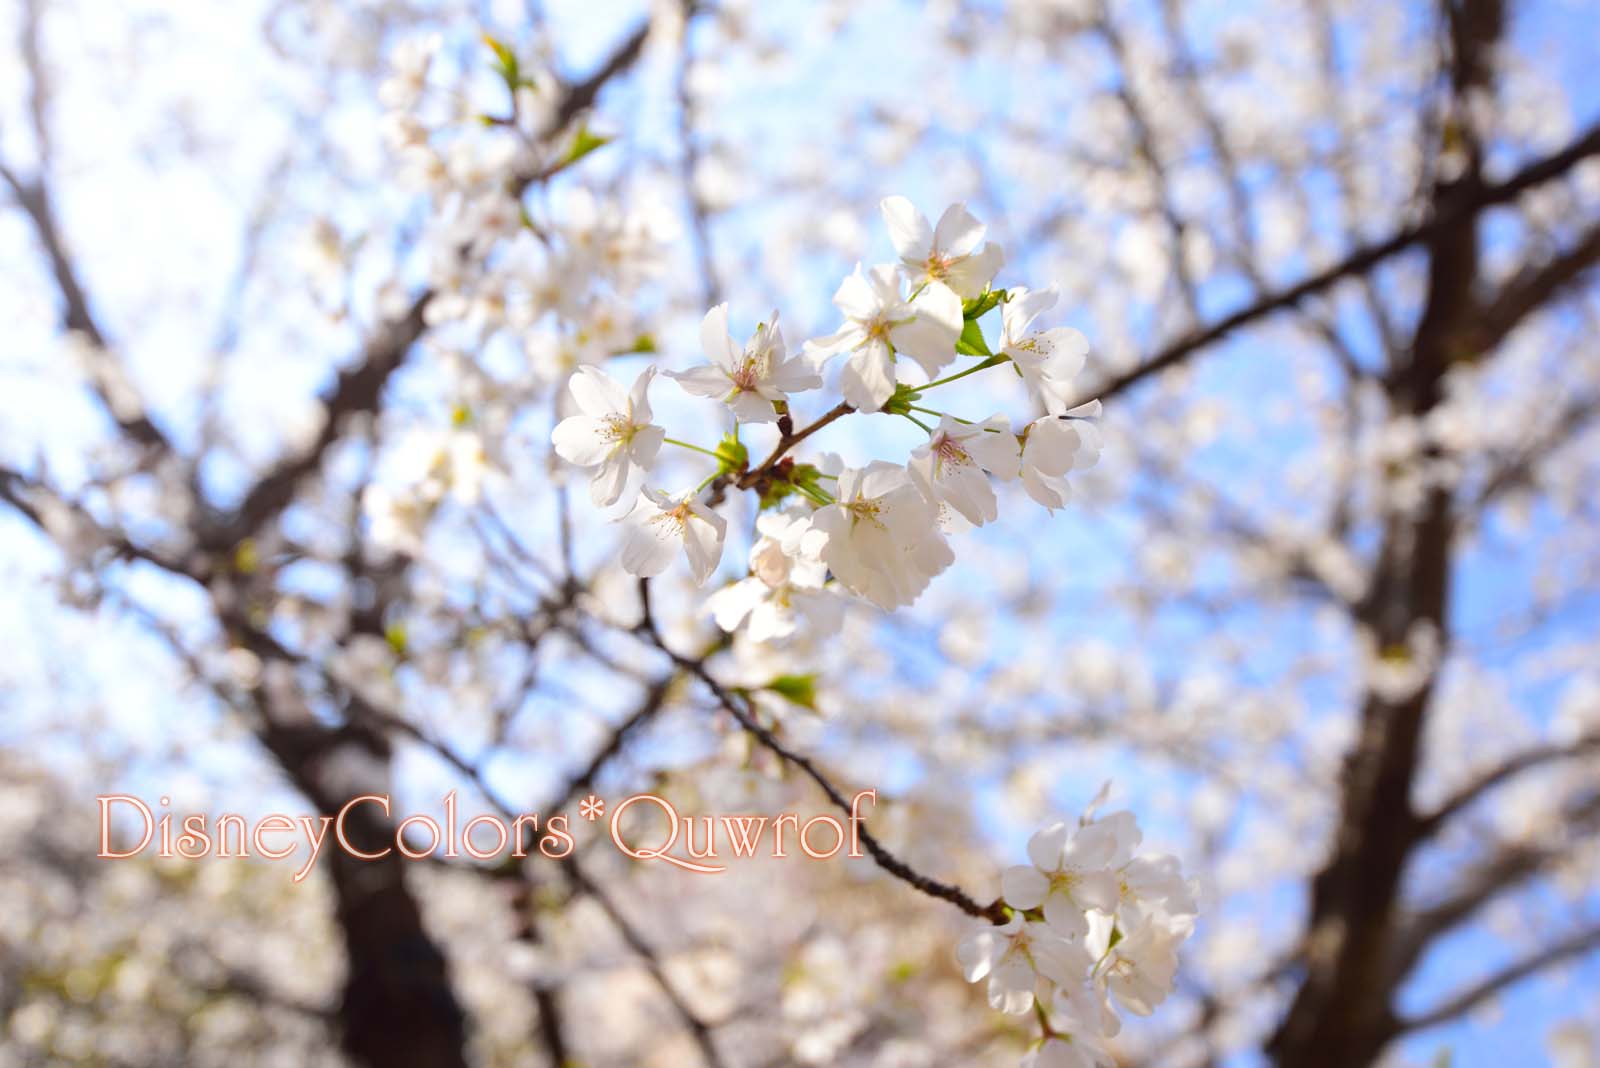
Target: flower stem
{"x":992,"y":361}
{"x":919,"y":422}
{"x":935,"y":411}
{"x":815,"y":494}
{"x":686,"y":445}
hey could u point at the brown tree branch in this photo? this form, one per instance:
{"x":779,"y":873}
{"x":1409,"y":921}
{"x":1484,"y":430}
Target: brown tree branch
{"x":1539,"y":756}
{"x":1358,"y":262}
{"x":1504,"y":871}
{"x":1340,"y":1015}
{"x":1576,"y":945}
{"x":738,"y":708}
{"x":1532,"y":289}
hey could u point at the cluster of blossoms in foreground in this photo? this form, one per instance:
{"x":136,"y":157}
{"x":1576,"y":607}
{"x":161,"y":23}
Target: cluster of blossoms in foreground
{"x":879,"y":531}
{"x":1091,"y":921}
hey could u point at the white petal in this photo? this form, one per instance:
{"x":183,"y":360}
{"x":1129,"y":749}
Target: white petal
{"x":867,"y":380}
{"x":1048,"y":490}
{"x":752,"y":408}
{"x":1097,"y":889}
{"x":1023,"y":887}
{"x":715,"y":340}
{"x":1060,"y":960}
{"x":977,"y":953}
{"x":967,"y":490}
{"x":703,"y":381}
{"x":794,"y":376}
{"x":582,"y":440}
{"x":958,"y":232}
{"x":930,"y":337}
{"x":847,"y":338}
{"x":649,"y":548}
{"x":1022,"y":306}
{"x":969,"y":277}
{"x":878,"y":479}
{"x":609,"y":481}
{"x":646,"y":443}
{"x":731,"y":604}
{"x":1065,"y":916}
{"x":639,"y":397}
{"x":597,"y":393}
{"x":1044,"y":848}
{"x":702,"y":543}
{"x":908,"y":230}
{"x":998,"y":452}
{"x":857,"y":298}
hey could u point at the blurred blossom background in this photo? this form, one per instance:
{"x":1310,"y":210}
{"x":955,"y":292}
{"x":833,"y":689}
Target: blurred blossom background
{"x":280,"y":523}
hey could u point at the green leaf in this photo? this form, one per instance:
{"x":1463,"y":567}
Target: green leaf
{"x":971,"y":342}
{"x":246,"y":558}
{"x":505,"y":62}
{"x":584,"y":141}
{"x":980,"y":306}
{"x":801,"y":689}
{"x":903,"y":972}
{"x":776,"y":493}
{"x":902,"y":400}
{"x":395,"y":635}
{"x":732,"y":454}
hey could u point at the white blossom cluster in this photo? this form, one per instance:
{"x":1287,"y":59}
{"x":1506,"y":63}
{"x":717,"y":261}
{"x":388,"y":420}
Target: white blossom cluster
{"x":558,"y":282}
{"x":1091,"y":920}
{"x":879,"y":531}
{"x":557,"y":288}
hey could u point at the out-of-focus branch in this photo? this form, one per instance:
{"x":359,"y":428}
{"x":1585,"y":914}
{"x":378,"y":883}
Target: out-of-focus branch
{"x":1577,"y":945}
{"x":107,"y":377}
{"x":1358,"y":262}
{"x":1145,"y":141}
{"x":699,"y":1030}
{"x":355,"y":391}
{"x":648,"y":708}
{"x":1507,"y":869}
{"x":688,"y":164}
{"x":1341,"y":1012}
{"x":358,"y":389}
{"x":1518,"y":469}
{"x":1534,"y":288}
{"x":1527,"y":760}
{"x":737,"y":707}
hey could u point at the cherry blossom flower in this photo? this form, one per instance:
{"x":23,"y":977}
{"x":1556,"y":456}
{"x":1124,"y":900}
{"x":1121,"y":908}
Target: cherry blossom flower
{"x":750,"y":379}
{"x":1139,"y":969}
{"x":408,"y":72}
{"x":787,"y":582}
{"x":949,"y":254}
{"x":613,"y":433}
{"x":883,"y":538}
{"x":1014,"y":956}
{"x":1071,"y":873}
{"x":950,"y":467}
{"x":879,"y":323}
{"x":430,"y":465}
{"x":660,"y":526}
{"x":1055,"y":445}
{"x":1152,"y":883}
{"x":1047,"y":359}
